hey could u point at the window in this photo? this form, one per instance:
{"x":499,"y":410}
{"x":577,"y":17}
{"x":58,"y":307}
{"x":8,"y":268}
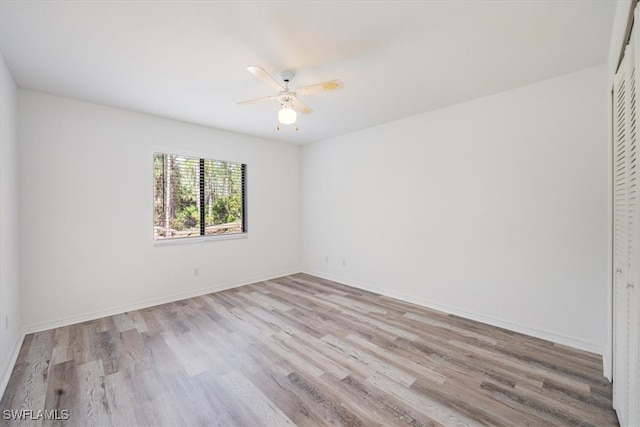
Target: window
{"x":195,"y":197}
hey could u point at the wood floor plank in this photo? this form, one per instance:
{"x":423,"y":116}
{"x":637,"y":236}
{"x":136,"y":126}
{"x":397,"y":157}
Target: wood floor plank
{"x":332,"y":409}
{"x":92,"y":394}
{"x":263,"y":409}
{"x":397,"y":411}
{"x":273,"y":382}
{"x":371,"y":361}
{"x":119,"y":401}
{"x":36,"y":374}
{"x":300,"y":350}
{"x":309,"y":353}
{"x":425,"y":404}
{"x":63,"y":391}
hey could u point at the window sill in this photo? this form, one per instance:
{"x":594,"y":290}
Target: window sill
{"x":203,"y":239}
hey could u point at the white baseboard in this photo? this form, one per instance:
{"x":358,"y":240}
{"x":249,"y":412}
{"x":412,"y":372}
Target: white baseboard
{"x":7,"y":367}
{"x":43,"y":326}
{"x":555,"y":337}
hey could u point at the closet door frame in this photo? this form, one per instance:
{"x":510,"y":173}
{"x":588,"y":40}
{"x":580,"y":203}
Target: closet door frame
{"x":626,"y":236}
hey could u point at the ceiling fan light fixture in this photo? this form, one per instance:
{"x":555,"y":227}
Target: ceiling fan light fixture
{"x":287,"y":115}
{"x":287,"y":97}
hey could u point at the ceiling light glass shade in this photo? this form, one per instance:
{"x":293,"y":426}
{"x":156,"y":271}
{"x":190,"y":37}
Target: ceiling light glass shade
{"x":287,"y":115}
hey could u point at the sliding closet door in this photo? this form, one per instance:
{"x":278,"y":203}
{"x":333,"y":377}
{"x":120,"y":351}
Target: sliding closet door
{"x":626,"y":255}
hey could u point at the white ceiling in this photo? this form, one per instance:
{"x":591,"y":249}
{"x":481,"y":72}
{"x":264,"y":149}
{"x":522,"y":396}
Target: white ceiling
{"x":186,"y":60}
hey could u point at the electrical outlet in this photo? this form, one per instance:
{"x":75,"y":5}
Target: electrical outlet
{"x":344,"y":262}
{"x":326,"y":258}
{"x":196,"y":271}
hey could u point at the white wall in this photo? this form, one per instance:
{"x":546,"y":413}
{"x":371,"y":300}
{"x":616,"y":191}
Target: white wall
{"x":10,"y":322}
{"x":86,"y":211}
{"x":495,"y":209}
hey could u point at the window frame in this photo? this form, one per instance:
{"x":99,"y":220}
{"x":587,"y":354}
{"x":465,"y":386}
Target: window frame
{"x":202,"y":238}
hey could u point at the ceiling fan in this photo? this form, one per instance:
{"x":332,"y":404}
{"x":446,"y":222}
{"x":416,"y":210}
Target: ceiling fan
{"x":289,"y":100}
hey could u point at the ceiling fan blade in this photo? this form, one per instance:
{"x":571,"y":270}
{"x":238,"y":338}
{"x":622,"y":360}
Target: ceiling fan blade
{"x":320,"y":87}
{"x":253,"y":101}
{"x":301,"y":107}
{"x":260,"y":73}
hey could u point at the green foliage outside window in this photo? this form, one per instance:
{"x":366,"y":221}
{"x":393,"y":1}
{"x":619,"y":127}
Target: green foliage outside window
{"x":188,"y":190}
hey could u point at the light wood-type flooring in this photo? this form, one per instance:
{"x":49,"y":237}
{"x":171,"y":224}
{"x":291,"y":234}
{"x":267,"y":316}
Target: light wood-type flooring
{"x":304,"y":351}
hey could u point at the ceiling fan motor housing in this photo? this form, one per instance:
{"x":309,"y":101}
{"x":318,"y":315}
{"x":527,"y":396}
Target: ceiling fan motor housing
{"x":286,"y":98}
{"x":287,"y":76}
